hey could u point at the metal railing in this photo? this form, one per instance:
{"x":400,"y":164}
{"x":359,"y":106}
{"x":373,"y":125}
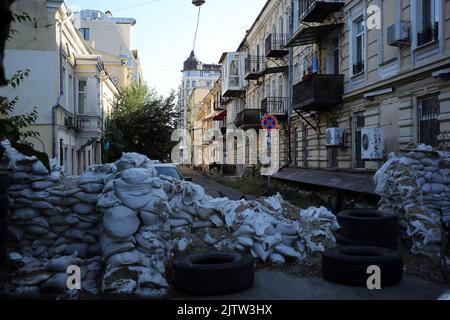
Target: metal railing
{"x":275,"y":105}
{"x":276,"y":42}
{"x":254,"y":64}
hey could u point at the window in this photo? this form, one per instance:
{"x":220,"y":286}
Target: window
{"x":70,"y":93}
{"x":429,"y":127}
{"x":61,"y":152}
{"x":428,"y":20}
{"x":82,"y":96}
{"x":358,"y":45}
{"x":85,"y":32}
{"x":194,"y":83}
{"x":234,"y":73}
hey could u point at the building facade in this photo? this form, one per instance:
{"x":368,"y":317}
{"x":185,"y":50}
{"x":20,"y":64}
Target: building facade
{"x":111,"y":37}
{"x":68,"y":84}
{"x":349,"y":81}
{"x":195,"y":75}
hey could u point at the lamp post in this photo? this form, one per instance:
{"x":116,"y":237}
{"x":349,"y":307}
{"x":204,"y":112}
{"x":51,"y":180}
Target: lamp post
{"x":198,"y":3}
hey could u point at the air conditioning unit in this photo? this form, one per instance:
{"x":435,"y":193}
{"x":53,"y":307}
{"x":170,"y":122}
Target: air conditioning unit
{"x":335,"y":137}
{"x":372,"y":144}
{"x":398,"y":34}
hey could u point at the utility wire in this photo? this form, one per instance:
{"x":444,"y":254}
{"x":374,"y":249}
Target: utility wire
{"x":196,"y":28}
{"x":136,"y":5}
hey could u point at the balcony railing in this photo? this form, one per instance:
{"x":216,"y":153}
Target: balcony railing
{"x":73,"y":122}
{"x":248,"y":119}
{"x":275,"y":45}
{"x":318,"y":11}
{"x":428,"y":35}
{"x":277,"y":106}
{"x":318,"y":92}
{"x":254,"y":67}
{"x":358,"y":68}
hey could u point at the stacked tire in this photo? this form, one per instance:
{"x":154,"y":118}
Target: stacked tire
{"x":368,"y":238}
{"x":4,"y":207}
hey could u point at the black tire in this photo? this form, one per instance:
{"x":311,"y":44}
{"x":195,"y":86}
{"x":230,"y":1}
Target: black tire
{"x":213,"y":273}
{"x":389,"y":243}
{"x":348,"y":265}
{"x":4,"y":205}
{"x":367,"y":224}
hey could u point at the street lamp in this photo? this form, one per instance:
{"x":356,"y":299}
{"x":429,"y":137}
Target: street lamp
{"x":198,"y":3}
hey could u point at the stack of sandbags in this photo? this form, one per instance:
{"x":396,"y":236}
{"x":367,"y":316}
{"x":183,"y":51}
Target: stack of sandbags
{"x":36,"y":277}
{"x":135,"y":209}
{"x":416,"y":186}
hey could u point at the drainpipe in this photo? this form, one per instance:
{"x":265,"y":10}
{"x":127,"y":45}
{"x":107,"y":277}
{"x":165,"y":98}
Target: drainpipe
{"x":60,"y":24}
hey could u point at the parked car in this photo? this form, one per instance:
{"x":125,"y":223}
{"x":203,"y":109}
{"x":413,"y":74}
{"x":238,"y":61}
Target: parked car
{"x":170,"y":170}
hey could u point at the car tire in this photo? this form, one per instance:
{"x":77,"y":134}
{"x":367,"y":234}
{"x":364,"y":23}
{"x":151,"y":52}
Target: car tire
{"x":367,"y":224}
{"x":213,"y":273}
{"x":348,"y":265}
{"x":389,"y":243}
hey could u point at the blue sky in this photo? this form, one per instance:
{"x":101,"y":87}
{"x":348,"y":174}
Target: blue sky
{"x":165,"y":30}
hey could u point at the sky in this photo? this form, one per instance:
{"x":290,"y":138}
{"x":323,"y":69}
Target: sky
{"x":164,"y":32}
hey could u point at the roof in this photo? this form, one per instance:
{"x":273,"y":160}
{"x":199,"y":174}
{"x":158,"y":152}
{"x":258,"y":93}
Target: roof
{"x":340,"y":180}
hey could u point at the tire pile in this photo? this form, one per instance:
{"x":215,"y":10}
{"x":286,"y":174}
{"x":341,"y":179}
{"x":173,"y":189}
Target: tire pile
{"x":367,"y":238}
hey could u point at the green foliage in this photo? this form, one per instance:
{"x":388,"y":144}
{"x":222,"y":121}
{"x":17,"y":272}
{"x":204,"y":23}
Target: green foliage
{"x":142,"y":121}
{"x":12,"y":127}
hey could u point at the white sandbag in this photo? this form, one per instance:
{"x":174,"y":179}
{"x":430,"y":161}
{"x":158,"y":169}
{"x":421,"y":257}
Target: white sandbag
{"x":288,"y":239}
{"x":60,"y":264}
{"x":136,"y":176}
{"x":208,"y":239}
{"x":287,"y":251}
{"x":32,"y":279}
{"x":216,"y":220}
{"x":36,"y":230}
{"x":24,"y":213}
{"x":277,"y":259}
{"x":42,"y":185}
{"x":117,"y":247}
{"x":83,"y":208}
{"x":133,"y":196}
{"x":77,"y":249}
{"x":87,"y":197}
{"x":33,"y":195}
{"x":182,"y":244}
{"x":92,"y":187}
{"x":149,"y":218}
{"x":271,"y":241}
{"x":244,"y":230}
{"x":159,"y":206}
{"x":191,"y":192}
{"x":133,"y":257}
{"x":120,"y":222}
{"x":245,"y":241}
{"x":175,"y":223}
{"x":287,"y":228}
{"x":182,"y":215}
{"x":74,"y":234}
{"x":38,"y":168}
{"x":275,"y":202}
{"x":258,"y":250}
{"x":108,"y":200}
{"x":201,"y":224}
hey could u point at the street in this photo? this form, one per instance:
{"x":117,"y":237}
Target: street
{"x":210,"y":185}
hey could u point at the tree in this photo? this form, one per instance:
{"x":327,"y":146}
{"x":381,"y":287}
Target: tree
{"x":141,"y":121}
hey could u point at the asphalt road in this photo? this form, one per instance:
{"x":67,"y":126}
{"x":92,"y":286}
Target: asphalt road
{"x":210,"y":185}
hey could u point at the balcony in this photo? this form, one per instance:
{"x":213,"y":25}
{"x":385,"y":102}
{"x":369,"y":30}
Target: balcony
{"x":428,"y":35}
{"x":73,"y":122}
{"x":254,"y":67}
{"x":318,"y":11}
{"x":277,"y":106}
{"x":248,"y":119}
{"x":314,"y":34}
{"x":275,"y":46}
{"x":318,"y":92}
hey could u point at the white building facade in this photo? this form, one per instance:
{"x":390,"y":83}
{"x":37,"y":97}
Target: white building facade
{"x":68,"y":84}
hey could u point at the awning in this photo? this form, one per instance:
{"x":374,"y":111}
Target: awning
{"x":213,"y":114}
{"x":340,"y":180}
{"x":221,"y":115}
{"x":311,"y":35}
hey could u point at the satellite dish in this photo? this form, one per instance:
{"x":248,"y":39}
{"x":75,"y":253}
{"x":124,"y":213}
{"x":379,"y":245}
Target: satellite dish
{"x":198,"y":3}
